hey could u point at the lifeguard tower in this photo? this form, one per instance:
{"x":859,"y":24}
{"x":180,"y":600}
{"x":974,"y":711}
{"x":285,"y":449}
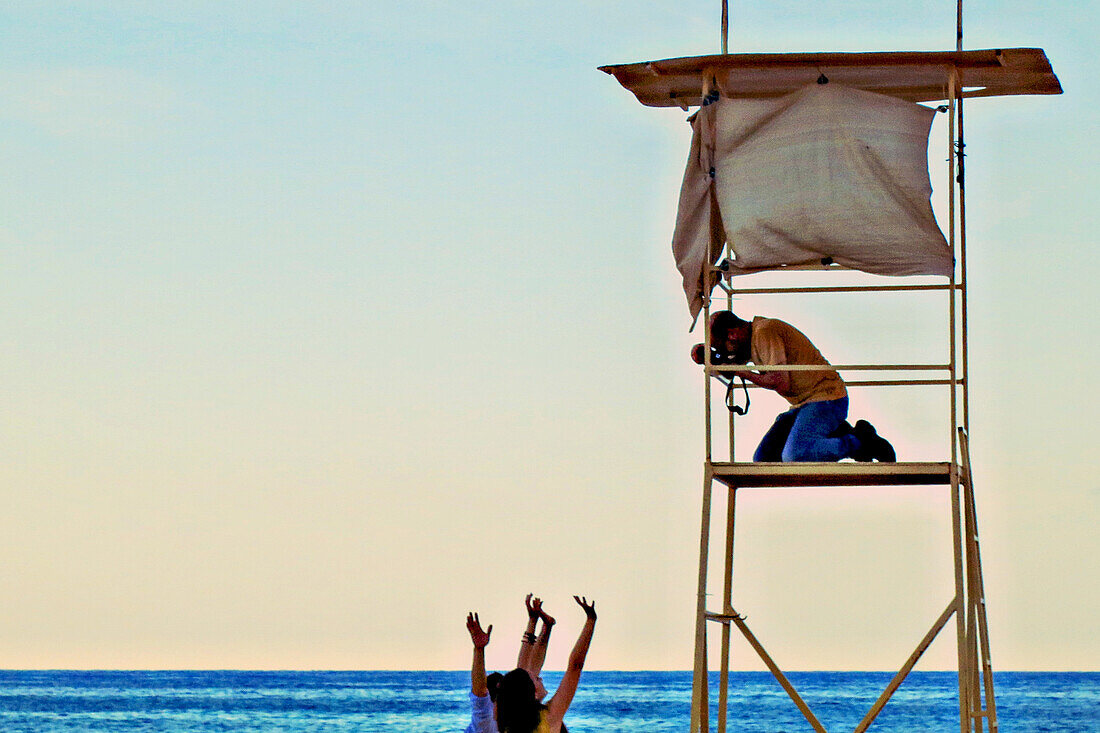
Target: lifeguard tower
{"x":818,"y":162}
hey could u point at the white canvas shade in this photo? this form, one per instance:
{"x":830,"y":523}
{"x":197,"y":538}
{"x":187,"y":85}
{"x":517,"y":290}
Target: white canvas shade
{"x":887,"y":208}
{"x":827,"y":172}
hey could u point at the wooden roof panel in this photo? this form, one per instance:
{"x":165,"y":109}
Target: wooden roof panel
{"x":916,"y":76}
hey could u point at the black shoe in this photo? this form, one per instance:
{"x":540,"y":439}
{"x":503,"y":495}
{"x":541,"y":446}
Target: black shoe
{"x":872,"y":446}
{"x":861,"y":452}
{"x":844,"y":428}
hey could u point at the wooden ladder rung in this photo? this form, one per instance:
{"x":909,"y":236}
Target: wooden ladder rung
{"x":722,"y":617}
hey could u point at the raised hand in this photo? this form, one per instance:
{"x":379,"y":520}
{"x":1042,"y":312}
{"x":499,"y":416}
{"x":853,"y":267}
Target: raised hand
{"x":479,"y":637}
{"x":589,"y":608}
{"x":534,"y":606}
{"x":547,"y":619}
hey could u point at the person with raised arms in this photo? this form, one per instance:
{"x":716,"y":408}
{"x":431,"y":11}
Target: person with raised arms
{"x":480,"y":701}
{"x":518,"y":709}
{"x":532,"y":649}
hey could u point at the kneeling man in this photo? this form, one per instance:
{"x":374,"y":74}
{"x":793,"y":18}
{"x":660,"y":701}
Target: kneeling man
{"x":815,"y":428}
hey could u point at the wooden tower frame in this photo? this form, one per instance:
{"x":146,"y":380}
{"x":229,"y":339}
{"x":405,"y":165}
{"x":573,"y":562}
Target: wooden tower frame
{"x":977,"y":701}
{"x":915,"y":76}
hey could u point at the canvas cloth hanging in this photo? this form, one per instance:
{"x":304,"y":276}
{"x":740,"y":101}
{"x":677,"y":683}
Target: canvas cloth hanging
{"x":825,"y":172}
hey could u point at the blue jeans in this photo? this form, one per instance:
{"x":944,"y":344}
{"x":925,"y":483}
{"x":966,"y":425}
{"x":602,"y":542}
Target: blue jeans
{"x":807,"y":433}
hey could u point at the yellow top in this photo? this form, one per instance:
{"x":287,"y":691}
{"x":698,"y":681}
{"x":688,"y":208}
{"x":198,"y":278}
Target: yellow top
{"x":544,"y":724}
{"x":777,"y":342}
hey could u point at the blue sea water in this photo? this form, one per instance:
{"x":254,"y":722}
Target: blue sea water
{"x":418,"y":702}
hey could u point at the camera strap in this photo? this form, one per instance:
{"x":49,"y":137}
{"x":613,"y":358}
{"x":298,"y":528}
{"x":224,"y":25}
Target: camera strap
{"x":731,"y":397}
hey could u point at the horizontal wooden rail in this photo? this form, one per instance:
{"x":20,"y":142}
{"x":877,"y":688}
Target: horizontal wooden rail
{"x":878,"y":383}
{"x":734,"y":368}
{"x":843,"y":289}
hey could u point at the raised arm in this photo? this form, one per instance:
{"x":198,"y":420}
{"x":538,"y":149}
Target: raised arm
{"x":480,"y":640}
{"x":563,"y":697}
{"x":543,"y":642}
{"x":527,"y":645}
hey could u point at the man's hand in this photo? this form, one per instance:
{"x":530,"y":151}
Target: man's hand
{"x":534,"y":606}
{"x":776,"y":381}
{"x":479,"y":637}
{"x":547,"y":619}
{"x":589,"y":608}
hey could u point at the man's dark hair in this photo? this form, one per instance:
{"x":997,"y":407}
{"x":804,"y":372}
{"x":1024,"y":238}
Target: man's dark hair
{"x":721,"y":322}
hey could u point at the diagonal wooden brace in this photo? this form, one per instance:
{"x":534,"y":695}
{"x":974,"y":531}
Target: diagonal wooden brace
{"x":906,"y":668}
{"x":739,"y":621}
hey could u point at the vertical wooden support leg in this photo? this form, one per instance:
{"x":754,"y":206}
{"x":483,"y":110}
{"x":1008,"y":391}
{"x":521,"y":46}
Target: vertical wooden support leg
{"x":978,"y":590}
{"x":972,"y":600}
{"x":727,"y":608}
{"x":983,"y":639}
{"x":964,"y":312}
{"x":960,"y":604}
{"x":953,"y":87}
{"x":965,"y":698}
{"x":724,"y":679}
{"x":700,"y":713}
{"x":973,"y":686}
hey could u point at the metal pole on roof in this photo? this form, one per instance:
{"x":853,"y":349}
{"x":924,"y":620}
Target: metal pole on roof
{"x":958,"y":26}
{"x":726,"y":26}
{"x":961,"y":178}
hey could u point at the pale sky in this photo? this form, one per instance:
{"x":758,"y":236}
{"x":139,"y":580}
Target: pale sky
{"x":326,"y":323}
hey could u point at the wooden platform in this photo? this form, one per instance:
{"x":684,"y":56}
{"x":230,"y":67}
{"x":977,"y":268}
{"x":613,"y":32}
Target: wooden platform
{"x":917,"y":76}
{"x":747,"y":475}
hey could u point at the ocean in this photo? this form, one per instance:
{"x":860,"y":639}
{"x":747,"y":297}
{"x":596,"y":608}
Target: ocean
{"x":419,"y":702}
